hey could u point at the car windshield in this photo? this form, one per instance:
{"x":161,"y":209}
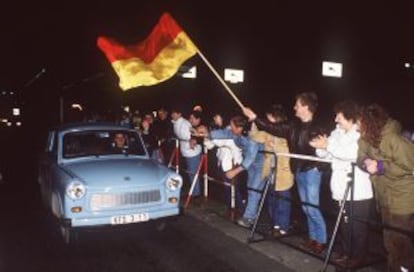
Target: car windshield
{"x":102,"y":142}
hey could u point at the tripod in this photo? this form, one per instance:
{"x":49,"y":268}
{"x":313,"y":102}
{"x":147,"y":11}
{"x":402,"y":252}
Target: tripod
{"x":349,"y":188}
{"x":268,"y":181}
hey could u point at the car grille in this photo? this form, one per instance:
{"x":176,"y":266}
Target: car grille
{"x":108,"y":200}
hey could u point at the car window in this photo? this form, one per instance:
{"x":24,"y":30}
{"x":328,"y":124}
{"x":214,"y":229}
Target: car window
{"x":99,"y":143}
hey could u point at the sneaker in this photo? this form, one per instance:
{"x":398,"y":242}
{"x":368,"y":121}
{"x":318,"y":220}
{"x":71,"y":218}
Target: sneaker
{"x":245,"y":222}
{"x":276,"y":233}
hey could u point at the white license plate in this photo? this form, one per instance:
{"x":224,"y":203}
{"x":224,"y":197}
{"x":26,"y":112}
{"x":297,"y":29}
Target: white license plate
{"x":129,"y":218}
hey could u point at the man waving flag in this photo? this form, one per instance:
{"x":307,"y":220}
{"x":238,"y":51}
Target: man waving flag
{"x":153,"y":60}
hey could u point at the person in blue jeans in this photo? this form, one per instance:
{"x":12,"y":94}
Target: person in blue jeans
{"x":299,"y":132}
{"x":249,"y":151}
{"x":255,"y":187}
{"x":279,"y":210}
{"x":308,"y":184}
{"x":279,"y":197}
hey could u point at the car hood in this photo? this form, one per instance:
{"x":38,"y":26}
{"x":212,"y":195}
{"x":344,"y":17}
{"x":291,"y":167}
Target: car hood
{"x":117,"y":172}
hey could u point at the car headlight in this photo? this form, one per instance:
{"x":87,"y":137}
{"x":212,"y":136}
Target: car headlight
{"x":174,"y":183}
{"x":75,"y":190}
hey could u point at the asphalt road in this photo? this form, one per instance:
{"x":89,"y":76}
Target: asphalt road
{"x":28,"y":243}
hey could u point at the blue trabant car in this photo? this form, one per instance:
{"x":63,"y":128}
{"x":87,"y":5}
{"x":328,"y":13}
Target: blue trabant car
{"x":96,"y":175}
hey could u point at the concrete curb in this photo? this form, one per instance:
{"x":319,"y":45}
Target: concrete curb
{"x":212,"y":215}
{"x":287,"y":256}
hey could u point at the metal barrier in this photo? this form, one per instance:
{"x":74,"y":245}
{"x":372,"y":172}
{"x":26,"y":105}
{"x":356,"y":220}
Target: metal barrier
{"x":348,"y":191}
{"x":203,"y":166}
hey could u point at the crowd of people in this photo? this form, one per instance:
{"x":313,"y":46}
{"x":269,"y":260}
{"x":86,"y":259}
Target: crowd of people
{"x":384,"y":168}
{"x":371,"y":166}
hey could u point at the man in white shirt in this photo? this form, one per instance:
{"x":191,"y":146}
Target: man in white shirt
{"x":190,"y":150}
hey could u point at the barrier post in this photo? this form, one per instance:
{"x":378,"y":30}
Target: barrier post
{"x":232,"y":200}
{"x":205,"y":176}
{"x":175,"y":156}
{"x":193,"y":183}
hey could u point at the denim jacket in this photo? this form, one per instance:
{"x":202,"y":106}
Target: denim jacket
{"x":249,"y":147}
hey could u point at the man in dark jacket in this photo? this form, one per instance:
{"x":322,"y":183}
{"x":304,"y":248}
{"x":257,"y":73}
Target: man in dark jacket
{"x":308,"y":173}
{"x":162,"y":129}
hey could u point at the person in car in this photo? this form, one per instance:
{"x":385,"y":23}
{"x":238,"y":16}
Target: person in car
{"x":119,"y":143}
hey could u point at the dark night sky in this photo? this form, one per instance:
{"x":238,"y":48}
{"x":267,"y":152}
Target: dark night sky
{"x":280,"y":46}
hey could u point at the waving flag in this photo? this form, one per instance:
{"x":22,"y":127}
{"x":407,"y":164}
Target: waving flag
{"x":153,"y":60}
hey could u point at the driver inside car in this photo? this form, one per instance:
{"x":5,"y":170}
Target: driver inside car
{"x":119,"y":143}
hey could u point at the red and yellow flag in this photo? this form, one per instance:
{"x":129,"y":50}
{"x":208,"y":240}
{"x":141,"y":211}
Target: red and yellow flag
{"x":153,"y":60}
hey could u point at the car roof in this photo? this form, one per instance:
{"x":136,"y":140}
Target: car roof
{"x":90,"y":126}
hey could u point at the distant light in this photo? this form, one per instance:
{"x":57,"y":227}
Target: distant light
{"x":407,"y":65}
{"x":331,"y":69}
{"x":126,"y":108}
{"x":233,"y":75}
{"x":18,"y":124}
{"x":9,"y":124}
{"x":4,"y":120}
{"x":3,"y":92}
{"x":191,"y":73}
{"x":77,"y":106}
{"x":16,"y":111}
{"x":11,"y":93}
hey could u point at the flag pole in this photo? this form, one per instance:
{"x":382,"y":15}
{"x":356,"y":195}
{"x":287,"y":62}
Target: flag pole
{"x":219,"y":78}
{"x":215,"y":72}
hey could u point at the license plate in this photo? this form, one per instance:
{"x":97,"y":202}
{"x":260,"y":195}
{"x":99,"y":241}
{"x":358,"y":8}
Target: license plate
{"x":129,"y":218}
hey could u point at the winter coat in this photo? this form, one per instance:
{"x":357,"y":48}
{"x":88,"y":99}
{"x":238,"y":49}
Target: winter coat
{"x":394,"y":187}
{"x":283,"y":175}
{"x":342,"y":149}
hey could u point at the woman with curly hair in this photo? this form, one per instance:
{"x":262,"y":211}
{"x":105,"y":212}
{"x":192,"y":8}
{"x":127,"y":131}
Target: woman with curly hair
{"x":341,"y":146}
{"x":389,"y":159}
